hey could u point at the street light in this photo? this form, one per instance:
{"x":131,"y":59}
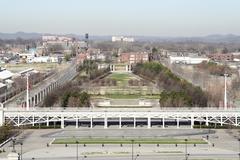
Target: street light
{"x":186,"y":154}
{"x":239,"y":148}
{"x":225,"y":91}
{"x":84,"y":157}
{"x":136,"y":156}
{"x":132,"y":148}
{"x":21,"y":151}
{"x":77,"y":149}
{"x":13,"y":144}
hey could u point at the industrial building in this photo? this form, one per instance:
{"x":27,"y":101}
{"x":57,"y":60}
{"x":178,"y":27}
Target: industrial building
{"x":187,"y":60}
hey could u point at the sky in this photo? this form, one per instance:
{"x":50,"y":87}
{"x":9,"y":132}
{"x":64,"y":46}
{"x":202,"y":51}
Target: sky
{"x":121,"y":17}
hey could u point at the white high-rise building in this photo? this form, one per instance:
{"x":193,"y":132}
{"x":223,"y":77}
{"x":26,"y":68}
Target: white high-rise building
{"x":122,"y":39}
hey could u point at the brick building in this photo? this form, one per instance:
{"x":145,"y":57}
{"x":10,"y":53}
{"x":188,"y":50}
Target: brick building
{"x":81,"y":57}
{"x":221,"y":57}
{"x":134,"y":57}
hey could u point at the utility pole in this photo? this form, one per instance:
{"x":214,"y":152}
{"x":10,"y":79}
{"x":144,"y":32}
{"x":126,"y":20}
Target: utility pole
{"x":27,"y":98}
{"x":225,"y":91}
{"x":132,"y":148}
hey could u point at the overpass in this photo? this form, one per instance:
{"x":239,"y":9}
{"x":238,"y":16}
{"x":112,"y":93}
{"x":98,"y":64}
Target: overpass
{"x":31,"y":117}
{"x":38,"y":93}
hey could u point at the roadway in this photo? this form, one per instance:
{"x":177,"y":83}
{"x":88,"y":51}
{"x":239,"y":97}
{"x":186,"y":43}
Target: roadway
{"x":62,"y":77}
{"x":150,"y":157}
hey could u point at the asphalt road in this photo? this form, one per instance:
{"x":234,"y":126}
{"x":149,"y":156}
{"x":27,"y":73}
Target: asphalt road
{"x":149,"y":157}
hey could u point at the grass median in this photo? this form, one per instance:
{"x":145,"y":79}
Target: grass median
{"x":127,"y":96}
{"x":126,"y":141}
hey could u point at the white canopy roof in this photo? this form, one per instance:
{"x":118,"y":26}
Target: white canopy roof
{"x":5,"y":74}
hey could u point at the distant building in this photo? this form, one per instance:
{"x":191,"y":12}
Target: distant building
{"x":154,"y":57}
{"x":9,"y":83}
{"x":134,"y":57}
{"x":28,"y":55}
{"x":187,"y":60}
{"x":25,"y":72}
{"x":103,"y":65}
{"x":49,"y":38}
{"x":91,"y":54}
{"x":219,"y":57}
{"x":81,"y":57}
{"x":65,"y":42}
{"x":81,"y":45}
{"x":44,"y":59}
{"x":236,"y":53}
{"x":5,"y":75}
{"x":56,"y":38}
{"x":3,"y":88}
{"x":122,"y":39}
{"x":41,"y":51}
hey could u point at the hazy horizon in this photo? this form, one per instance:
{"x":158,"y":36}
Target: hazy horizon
{"x":159,"y":18}
{"x":83,"y":34}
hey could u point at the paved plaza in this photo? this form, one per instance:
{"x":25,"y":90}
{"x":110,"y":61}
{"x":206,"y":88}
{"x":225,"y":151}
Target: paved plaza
{"x":222,"y":144}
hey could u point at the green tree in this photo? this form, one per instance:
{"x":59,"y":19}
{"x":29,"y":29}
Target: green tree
{"x":55,"y":48}
{"x":67,"y":57}
{"x":73,"y":51}
{"x":64,"y":98}
{"x":154,"y":50}
{"x":6,"y":131}
{"x":50,"y":100}
{"x":180,"y":92}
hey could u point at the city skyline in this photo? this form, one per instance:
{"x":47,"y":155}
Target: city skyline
{"x":145,"y":18}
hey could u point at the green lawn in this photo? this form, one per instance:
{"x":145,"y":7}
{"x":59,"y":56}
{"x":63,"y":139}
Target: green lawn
{"x":122,"y":96}
{"x":121,"y":78}
{"x":125,"y":141}
{"x":127,"y":96}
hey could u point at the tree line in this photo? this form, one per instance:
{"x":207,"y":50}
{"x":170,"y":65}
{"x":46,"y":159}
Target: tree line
{"x":6,"y":132}
{"x":68,"y":95}
{"x":214,"y":68}
{"x":90,"y":67}
{"x":72,"y":94}
{"x":176,"y":92}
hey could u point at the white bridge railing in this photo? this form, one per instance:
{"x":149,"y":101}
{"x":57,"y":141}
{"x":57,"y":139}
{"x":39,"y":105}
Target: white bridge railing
{"x":221,"y":117}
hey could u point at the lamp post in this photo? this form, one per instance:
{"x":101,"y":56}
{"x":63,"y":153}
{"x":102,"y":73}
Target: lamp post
{"x":136,"y":156}
{"x":225,"y":91}
{"x":132,"y":148}
{"x":21,"y":144}
{"x":13,"y":144}
{"x":77,"y":149}
{"x":84,"y":157}
{"x":186,"y":152}
{"x":239,"y":148}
